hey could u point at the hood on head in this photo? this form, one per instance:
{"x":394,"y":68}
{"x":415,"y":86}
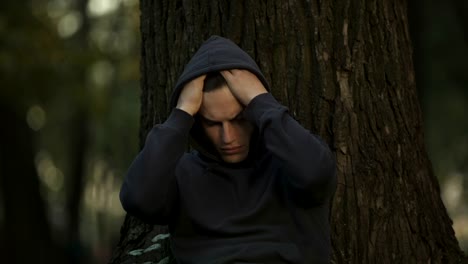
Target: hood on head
{"x":216,"y":54}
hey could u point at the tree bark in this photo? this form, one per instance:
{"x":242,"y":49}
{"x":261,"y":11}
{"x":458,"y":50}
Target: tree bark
{"x":345,"y":71}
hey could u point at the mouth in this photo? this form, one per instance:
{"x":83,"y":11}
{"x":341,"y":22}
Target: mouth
{"x":232,"y":150}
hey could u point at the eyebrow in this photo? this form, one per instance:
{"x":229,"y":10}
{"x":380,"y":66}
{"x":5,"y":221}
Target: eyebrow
{"x":214,"y":121}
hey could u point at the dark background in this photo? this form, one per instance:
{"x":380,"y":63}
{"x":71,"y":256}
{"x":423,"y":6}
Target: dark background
{"x":69,"y":96}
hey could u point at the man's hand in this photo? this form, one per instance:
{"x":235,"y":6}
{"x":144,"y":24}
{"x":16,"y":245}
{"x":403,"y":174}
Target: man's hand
{"x":243,"y":84}
{"x":190,"y":99}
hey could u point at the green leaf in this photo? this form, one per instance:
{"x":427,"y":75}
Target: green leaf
{"x":152,"y":247}
{"x":136,"y":252}
{"x":160,"y":237}
{"x":164,"y":261}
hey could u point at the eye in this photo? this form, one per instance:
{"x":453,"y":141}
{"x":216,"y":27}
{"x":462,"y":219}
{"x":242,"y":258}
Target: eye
{"x":210,"y":123}
{"x":239,"y":118}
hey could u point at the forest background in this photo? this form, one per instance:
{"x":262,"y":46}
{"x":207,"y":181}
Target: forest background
{"x":69,"y":101}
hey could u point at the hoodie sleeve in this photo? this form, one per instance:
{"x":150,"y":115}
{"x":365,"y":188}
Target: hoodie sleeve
{"x":307,"y":160}
{"x":149,"y":190}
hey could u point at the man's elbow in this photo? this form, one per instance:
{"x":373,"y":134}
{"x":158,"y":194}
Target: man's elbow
{"x":126,"y":200}
{"x":320,"y":179}
{"x":326,"y":175}
{"x":145,"y":210}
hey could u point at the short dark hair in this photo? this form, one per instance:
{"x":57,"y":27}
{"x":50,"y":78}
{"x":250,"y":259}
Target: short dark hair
{"x":213,"y":81}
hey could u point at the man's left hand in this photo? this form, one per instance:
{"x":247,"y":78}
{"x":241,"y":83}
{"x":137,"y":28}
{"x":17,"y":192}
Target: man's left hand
{"x":243,"y":84}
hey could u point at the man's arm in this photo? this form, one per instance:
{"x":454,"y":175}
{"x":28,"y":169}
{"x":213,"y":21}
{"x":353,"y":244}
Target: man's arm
{"x":149,"y":190}
{"x":307,"y":160}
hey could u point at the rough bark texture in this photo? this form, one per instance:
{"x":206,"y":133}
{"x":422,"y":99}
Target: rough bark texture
{"x":345,"y":71}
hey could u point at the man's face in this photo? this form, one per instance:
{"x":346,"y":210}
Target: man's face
{"x":224,"y":125}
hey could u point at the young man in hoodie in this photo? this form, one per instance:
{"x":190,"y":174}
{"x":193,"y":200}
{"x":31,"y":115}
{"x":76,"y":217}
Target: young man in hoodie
{"x":258,"y":186}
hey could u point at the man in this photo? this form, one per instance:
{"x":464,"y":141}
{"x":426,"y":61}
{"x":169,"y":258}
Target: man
{"x":258,"y":186}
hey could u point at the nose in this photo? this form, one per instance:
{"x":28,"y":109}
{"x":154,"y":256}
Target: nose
{"x":228,"y":133}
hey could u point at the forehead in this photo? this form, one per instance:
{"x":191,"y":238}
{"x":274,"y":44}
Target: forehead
{"x":220,"y":105}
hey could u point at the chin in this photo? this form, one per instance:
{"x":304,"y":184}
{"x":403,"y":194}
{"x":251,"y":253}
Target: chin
{"x":234,"y":158}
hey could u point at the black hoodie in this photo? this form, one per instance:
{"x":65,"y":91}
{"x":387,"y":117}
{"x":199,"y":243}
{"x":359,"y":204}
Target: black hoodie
{"x":273,"y":209}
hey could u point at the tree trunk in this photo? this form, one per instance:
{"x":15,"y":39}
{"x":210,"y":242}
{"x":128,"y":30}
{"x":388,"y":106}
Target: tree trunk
{"x":461,"y":9}
{"x":78,"y":140}
{"x":345,"y":71}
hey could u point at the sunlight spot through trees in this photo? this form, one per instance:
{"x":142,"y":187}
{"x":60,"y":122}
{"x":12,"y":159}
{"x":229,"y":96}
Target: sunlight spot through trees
{"x":69,"y":24}
{"x":36,"y":117}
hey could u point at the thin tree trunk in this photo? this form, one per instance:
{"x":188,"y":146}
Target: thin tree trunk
{"x":79,"y":139}
{"x":75,"y":184}
{"x":461,"y":10}
{"x":345,"y":71}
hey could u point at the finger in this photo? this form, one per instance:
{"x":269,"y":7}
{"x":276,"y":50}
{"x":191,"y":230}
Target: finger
{"x":200,"y":78}
{"x":227,"y":74}
{"x":197,"y":82}
{"x":236,"y":71}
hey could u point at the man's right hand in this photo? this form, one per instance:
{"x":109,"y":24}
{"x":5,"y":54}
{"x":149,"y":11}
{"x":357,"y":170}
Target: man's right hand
{"x":190,"y":99}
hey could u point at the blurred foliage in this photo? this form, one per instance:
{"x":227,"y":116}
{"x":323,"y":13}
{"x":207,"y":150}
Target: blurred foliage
{"x":59,"y":58}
